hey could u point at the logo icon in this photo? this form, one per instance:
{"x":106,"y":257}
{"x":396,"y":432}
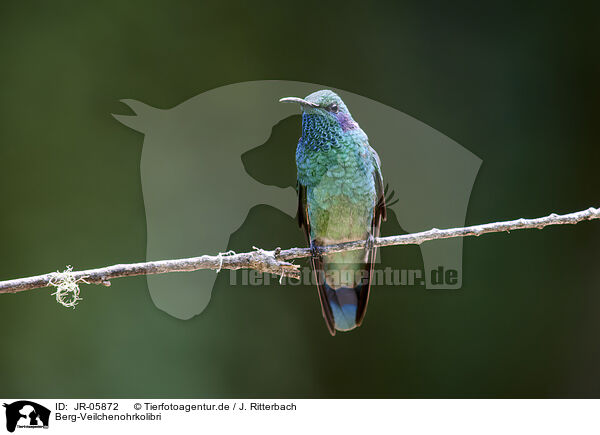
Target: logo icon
{"x":26,"y":414}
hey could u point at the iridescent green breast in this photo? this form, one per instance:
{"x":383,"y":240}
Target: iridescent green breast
{"x":337,"y":170}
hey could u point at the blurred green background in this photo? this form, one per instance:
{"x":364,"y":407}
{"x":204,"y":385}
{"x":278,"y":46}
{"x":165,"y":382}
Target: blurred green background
{"x":516,"y":84}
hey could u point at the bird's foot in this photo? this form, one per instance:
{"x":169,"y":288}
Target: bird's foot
{"x":369,"y":242}
{"x":315,"y":251}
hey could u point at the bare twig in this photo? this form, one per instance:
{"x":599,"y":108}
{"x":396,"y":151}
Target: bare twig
{"x":277,"y":261}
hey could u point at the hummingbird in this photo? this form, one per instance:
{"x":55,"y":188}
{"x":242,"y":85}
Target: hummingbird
{"x":341,"y":198}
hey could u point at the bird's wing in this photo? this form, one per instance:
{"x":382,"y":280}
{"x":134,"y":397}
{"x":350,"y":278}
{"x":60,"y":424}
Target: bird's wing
{"x":379,"y":186}
{"x":303,"y":211}
{"x":379,"y":214}
{"x":317,"y":263}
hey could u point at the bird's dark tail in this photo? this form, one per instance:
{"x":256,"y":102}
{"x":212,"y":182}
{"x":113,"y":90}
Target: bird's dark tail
{"x":343,"y":307}
{"x":344,"y":304}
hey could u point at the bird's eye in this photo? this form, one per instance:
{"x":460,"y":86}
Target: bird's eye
{"x":333,"y":108}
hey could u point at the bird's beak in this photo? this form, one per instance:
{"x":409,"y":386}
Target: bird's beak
{"x":298,"y":100}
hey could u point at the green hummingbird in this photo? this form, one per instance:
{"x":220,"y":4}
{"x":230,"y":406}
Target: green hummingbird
{"x":340,"y":199}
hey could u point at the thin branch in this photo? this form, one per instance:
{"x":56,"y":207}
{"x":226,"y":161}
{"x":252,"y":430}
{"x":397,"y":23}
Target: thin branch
{"x":277,"y":261}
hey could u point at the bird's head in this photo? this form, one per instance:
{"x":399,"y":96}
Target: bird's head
{"x":325,"y":103}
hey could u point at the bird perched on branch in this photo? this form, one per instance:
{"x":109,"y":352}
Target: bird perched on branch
{"x":340,"y":199}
